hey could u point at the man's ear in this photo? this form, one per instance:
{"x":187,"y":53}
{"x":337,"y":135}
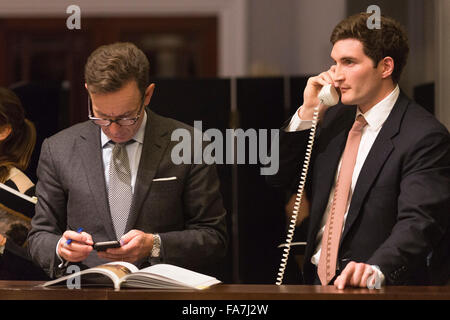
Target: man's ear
{"x":5,"y":131}
{"x":386,"y":66}
{"x":149,"y":94}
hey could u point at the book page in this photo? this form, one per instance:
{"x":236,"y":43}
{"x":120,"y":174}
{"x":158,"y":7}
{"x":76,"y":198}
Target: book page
{"x":131,"y":267}
{"x":113,"y":270}
{"x":173,"y":274}
{"x":17,"y":193}
{"x":118,"y":269}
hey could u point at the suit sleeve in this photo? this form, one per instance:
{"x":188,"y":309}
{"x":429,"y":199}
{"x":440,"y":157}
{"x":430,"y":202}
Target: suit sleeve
{"x":47,"y":224}
{"x":423,"y":214}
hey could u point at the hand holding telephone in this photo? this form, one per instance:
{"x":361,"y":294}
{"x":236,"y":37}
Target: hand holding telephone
{"x":102,"y":246}
{"x":328,"y":96}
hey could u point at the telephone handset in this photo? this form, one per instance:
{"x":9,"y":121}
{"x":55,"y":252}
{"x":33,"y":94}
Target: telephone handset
{"x":328,"y":96}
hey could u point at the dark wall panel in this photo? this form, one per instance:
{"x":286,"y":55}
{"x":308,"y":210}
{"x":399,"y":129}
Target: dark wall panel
{"x":206,"y":100}
{"x":260,"y":104}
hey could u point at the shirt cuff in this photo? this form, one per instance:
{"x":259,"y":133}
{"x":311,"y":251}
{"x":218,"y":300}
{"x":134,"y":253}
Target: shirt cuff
{"x":63,"y":263}
{"x":377,"y":279}
{"x":297,"y":124}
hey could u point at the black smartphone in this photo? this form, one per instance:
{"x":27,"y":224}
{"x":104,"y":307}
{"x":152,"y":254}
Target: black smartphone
{"x":102,"y":246}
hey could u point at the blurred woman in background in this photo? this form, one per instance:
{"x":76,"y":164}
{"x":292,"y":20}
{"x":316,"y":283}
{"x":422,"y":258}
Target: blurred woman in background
{"x":17,"y":141}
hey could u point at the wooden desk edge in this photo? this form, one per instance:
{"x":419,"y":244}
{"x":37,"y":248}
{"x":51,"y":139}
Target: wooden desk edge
{"x":24,"y":290}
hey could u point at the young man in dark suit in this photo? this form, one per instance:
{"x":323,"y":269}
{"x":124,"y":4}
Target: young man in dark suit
{"x":114,"y":177}
{"x":395,"y":215}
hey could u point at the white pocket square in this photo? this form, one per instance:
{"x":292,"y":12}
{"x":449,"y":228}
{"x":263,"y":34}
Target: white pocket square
{"x":165,"y":179}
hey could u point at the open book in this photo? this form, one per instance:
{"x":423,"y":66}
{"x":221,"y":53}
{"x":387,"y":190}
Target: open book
{"x":14,"y":197}
{"x":16,"y":210}
{"x":123,"y":274}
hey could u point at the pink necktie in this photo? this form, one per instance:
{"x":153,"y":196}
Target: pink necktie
{"x":333,"y":228}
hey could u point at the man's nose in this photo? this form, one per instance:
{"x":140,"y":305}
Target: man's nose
{"x":114,"y":128}
{"x":338,"y":75}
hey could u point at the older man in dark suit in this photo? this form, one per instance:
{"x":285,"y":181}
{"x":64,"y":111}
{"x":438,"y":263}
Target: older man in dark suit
{"x":113,"y":176}
{"x":379,"y":208}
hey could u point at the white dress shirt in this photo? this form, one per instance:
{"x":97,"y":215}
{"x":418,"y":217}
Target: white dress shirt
{"x":375,"y":117}
{"x":134,"y":151}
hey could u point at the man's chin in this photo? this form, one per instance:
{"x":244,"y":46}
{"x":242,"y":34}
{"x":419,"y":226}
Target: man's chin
{"x":119,"y":139}
{"x":348,"y":101}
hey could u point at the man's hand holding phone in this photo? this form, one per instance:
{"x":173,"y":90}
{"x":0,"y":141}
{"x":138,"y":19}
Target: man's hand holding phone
{"x":74,"y":246}
{"x":135,"y":245}
{"x":105,"y":245}
{"x":311,"y":93}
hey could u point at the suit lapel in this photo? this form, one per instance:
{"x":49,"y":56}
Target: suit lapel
{"x":378,"y":154}
{"x":91,"y":155}
{"x":155,"y":144}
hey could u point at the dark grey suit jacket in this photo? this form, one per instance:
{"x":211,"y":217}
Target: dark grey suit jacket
{"x":187,"y":212}
{"x":398,"y":217}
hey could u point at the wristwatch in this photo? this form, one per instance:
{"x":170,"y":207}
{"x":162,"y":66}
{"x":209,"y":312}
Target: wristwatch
{"x":156,"y":250}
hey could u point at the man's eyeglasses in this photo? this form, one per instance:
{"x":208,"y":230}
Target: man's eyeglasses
{"x":107,"y":122}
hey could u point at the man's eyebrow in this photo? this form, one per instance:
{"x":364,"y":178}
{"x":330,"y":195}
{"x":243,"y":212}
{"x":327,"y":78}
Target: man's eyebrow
{"x":345,"y":58}
{"x":123,"y":115}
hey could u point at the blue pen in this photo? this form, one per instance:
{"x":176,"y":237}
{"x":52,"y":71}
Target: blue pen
{"x":69,"y":241}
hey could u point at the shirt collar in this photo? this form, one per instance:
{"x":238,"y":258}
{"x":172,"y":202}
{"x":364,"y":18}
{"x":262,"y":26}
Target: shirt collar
{"x":378,"y":114}
{"x":138,"y":137}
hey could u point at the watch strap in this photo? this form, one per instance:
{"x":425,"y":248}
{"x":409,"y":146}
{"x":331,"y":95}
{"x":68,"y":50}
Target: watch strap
{"x":156,"y":249}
